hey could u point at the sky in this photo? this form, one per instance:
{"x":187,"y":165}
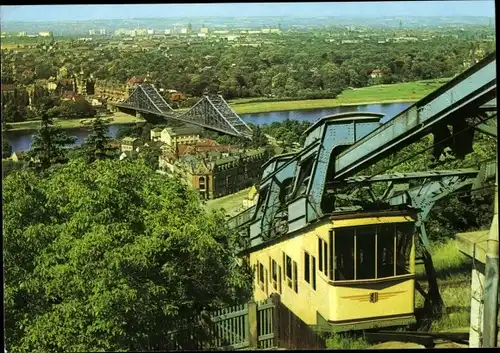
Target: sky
{"x":30,"y":13}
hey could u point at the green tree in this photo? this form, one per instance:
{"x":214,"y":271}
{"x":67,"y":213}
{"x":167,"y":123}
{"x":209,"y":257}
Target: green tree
{"x":9,"y":166}
{"x":48,"y":146}
{"x":129,"y":130}
{"x":6,"y":148}
{"x":258,"y":137}
{"x":13,"y":113}
{"x":106,"y":257}
{"x":150,"y":156}
{"x":96,"y":145}
{"x":77,"y":109}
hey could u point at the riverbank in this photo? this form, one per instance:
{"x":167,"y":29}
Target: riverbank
{"x":117,"y":118}
{"x":395,"y":93}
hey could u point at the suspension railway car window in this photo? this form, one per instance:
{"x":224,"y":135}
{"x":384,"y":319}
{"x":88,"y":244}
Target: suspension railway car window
{"x":365,"y":252}
{"x":267,"y":283}
{"x":330,"y":247}
{"x":385,"y":251}
{"x":371,"y":252}
{"x":323,"y":256}
{"x":288,"y":271}
{"x":313,"y":261}
{"x":279,"y":280}
{"x":284,"y":267}
{"x":307,"y":267}
{"x":344,"y":254}
{"x":320,"y":254}
{"x":291,"y":272}
{"x":295,"y":278}
{"x":260,"y":275}
{"x":274,"y":274}
{"x":403,"y":248}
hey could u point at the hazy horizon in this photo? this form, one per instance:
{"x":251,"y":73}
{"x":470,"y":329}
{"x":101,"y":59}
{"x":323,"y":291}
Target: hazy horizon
{"x":45,"y":13}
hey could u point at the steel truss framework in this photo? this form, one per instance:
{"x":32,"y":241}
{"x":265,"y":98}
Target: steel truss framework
{"x":324,"y":179}
{"x":211,"y":112}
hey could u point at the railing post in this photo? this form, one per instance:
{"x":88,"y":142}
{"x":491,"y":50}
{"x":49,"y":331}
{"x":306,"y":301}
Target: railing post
{"x":276,"y":300}
{"x":253,"y":338}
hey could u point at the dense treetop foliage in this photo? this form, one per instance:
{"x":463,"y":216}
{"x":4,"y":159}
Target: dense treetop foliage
{"x":288,"y":132}
{"x":105,"y":256}
{"x":293,"y":66}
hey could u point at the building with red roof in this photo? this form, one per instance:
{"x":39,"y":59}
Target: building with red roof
{"x":136,"y":80}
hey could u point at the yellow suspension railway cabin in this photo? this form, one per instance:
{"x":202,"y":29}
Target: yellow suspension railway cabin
{"x":345,"y":272}
{"x":337,"y":266}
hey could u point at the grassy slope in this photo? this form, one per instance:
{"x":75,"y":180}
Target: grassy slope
{"x":454,"y":279}
{"x":399,"y":92}
{"x":232,"y":204}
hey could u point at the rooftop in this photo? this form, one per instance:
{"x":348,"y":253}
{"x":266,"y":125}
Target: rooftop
{"x":202,"y":148}
{"x":135,"y":80}
{"x":129,"y":139}
{"x":187,"y":130}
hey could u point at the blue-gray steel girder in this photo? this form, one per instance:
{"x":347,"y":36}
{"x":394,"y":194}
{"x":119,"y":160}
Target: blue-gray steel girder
{"x":424,"y":197}
{"x":336,"y":131}
{"x":397,"y":183}
{"x":473,"y":88}
{"x":273,"y":202}
{"x":276,"y":171}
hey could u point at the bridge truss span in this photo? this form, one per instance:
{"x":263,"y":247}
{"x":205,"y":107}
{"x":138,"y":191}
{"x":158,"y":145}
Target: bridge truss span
{"x":211,"y":112}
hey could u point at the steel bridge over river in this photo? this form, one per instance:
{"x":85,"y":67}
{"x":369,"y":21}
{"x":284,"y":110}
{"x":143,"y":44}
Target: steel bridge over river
{"x":211,"y":112}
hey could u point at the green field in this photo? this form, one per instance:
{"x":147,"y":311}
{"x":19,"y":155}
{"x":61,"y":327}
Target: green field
{"x":399,"y":92}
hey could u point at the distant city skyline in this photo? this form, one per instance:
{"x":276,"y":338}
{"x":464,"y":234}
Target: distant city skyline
{"x":37,"y":13}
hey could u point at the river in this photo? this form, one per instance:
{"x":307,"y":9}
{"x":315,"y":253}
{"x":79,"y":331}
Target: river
{"x":21,"y":140}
